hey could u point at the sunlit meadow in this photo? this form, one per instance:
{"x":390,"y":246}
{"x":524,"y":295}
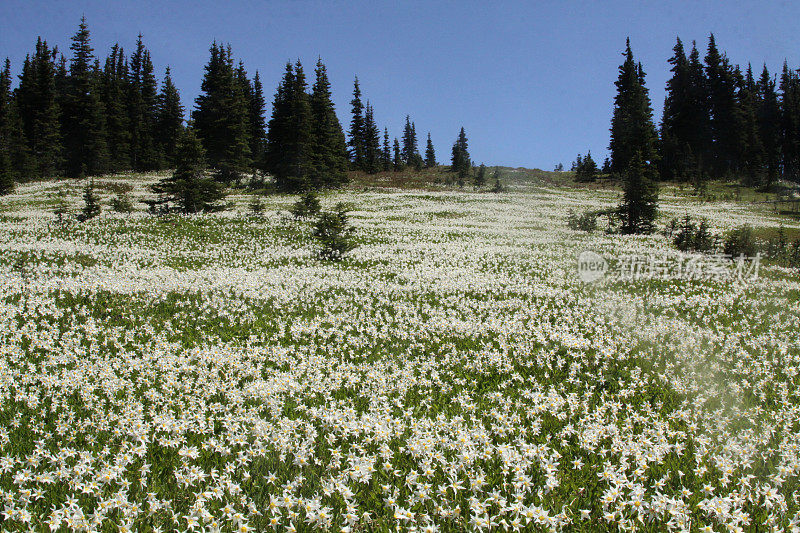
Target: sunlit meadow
{"x":453,"y":373}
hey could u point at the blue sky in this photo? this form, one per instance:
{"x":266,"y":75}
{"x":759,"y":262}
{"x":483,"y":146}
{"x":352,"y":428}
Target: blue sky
{"x":531,"y":81}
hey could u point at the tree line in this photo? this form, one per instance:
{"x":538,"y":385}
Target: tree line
{"x":77,"y":118}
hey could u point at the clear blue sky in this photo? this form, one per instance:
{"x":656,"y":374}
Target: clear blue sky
{"x":531,"y":81}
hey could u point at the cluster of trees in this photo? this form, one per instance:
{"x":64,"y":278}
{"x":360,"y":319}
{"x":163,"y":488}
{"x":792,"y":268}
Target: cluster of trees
{"x":720,"y":122}
{"x":75,"y":117}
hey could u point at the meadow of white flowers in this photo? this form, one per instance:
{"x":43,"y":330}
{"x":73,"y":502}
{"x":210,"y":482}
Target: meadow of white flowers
{"x":453,"y":373}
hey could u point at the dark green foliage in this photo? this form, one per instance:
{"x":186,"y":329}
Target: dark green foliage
{"x":585,"y":168}
{"x":410,"y":151}
{"x":768,"y":115}
{"x":143,"y":110}
{"x":115,"y":94}
{"x":559,"y":167}
{"x":751,"y":151}
{"x":692,"y":237}
{"x":61,"y":207}
{"x":372,"y":146}
{"x":640,"y":197}
{"x":460,"y":160}
{"x":169,"y":119}
{"x":188,"y":190}
{"x":356,"y":143}
{"x":256,"y":206}
{"x":606,"y":166}
{"x":632,"y":130}
{"x":6,"y":131}
{"x":334,"y":234}
{"x":584,"y":222}
{"x":307,"y":206}
{"x":496,"y":185}
{"x":398,"y":157}
{"x":430,"y":154}
{"x":679,"y":124}
{"x":257,"y":123}
{"x":386,"y":155}
{"x":39,"y":112}
{"x":790,"y":123}
{"x":480,"y":177}
{"x":221,"y":117}
{"x":741,"y":241}
{"x":329,"y":150}
{"x":84,"y":121}
{"x":121,"y":203}
{"x":91,"y":203}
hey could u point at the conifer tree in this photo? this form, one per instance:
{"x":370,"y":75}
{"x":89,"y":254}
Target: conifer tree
{"x":640,"y":196}
{"x":372,"y":146}
{"x":696,"y":108}
{"x":169,"y":119}
{"x":85,"y":135}
{"x":677,"y":125}
{"x":769,"y":115}
{"x":91,"y":203}
{"x":480,"y":177}
{"x":6,"y":169}
{"x":386,"y":156}
{"x":632,"y":128}
{"x":356,"y":142}
{"x":409,"y":142}
{"x":586,"y":169}
{"x":143,"y":110}
{"x":221,"y":117}
{"x":430,"y":154}
{"x":460,"y":160}
{"x":398,"y":157}
{"x":751,"y":156}
{"x":328,"y":150}
{"x":115,"y":92}
{"x":188,"y":190}
{"x":258,"y":131}
{"x":36,"y":103}
{"x":790,"y":123}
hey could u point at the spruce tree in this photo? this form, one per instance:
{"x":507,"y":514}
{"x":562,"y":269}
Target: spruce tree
{"x":6,"y":169}
{"x":258,"y":131}
{"x":91,"y":203}
{"x":586,"y":169}
{"x":430,"y":154}
{"x":697,"y":109}
{"x":143,"y":110}
{"x":328,"y":149}
{"x":188,"y":190}
{"x":790,"y":123}
{"x":632,"y":128}
{"x":115,"y":92}
{"x":677,"y":161}
{"x":460,"y":160}
{"x":769,"y":115}
{"x":751,"y":156}
{"x":386,"y":156}
{"x":356,"y":142}
{"x":221,"y":117}
{"x":372,"y":142}
{"x":409,"y":142}
{"x":398,"y":157}
{"x":480,"y":177}
{"x":169,"y":119}
{"x":640,"y":196}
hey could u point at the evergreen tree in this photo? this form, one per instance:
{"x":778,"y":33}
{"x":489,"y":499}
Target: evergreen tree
{"x":751,"y":156}
{"x":586,"y":169}
{"x":221,"y":117}
{"x":36,"y":103}
{"x":188,"y":190}
{"x":258,"y":131}
{"x":678,"y":123}
{"x":91,"y":203}
{"x":372,"y":143}
{"x":398,"y":156}
{"x":143,"y":110}
{"x":328,"y":150}
{"x":115,"y":91}
{"x":697,"y":109}
{"x":480,"y":177}
{"x":85,"y":134}
{"x":356,"y":143}
{"x":169,"y":119}
{"x":409,"y":142}
{"x":430,"y":154}
{"x":640,"y":196}
{"x":632,"y":128}
{"x":769,"y":123}
{"x":386,"y":156}
{"x":790,"y":123}
{"x":290,"y":135}
{"x":6,"y":169}
{"x":460,"y":160}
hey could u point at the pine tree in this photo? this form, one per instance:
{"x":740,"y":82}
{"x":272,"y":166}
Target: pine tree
{"x":290,"y":133}
{"x":430,"y":154}
{"x":751,"y":156}
{"x":480,"y":177}
{"x":221,"y":117}
{"x":632,"y":128}
{"x":36,"y":102}
{"x":258,"y":130}
{"x":91,"y":203}
{"x":790,"y":123}
{"x":460,"y":160}
{"x":386,"y":156}
{"x":640,"y":196}
{"x":85,"y":134}
{"x":372,"y":142}
{"x":678,"y":122}
{"x":169,"y":119}
{"x":6,"y":169}
{"x":356,"y":143}
{"x":409,"y":142}
{"x":586,"y":169}
{"x":769,"y":115}
{"x":143,"y":110}
{"x":115,"y":91}
{"x":328,"y":150}
{"x":398,"y":157}
{"x":697,"y":109}
{"x":188,"y":190}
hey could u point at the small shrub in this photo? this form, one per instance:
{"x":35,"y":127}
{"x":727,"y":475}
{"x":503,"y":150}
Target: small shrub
{"x":91,"y":203}
{"x":334,"y":234}
{"x":256,"y":206}
{"x":121,"y":203}
{"x":691,"y":237}
{"x":307,"y":206}
{"x":61,"y":208}
{"x":741,"y":241}
{"x":585,"y":222}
